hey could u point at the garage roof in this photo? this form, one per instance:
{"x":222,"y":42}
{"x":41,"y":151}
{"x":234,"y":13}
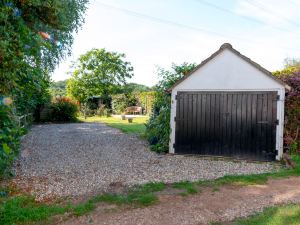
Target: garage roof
{"x":229,"y":47}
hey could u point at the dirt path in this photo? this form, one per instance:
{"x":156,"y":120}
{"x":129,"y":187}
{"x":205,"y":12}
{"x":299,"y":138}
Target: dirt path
{"x":224,"y":205}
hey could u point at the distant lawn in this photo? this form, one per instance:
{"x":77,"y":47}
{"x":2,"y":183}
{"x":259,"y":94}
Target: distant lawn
{"x":287,"y":215}
{"x":136,"y":127}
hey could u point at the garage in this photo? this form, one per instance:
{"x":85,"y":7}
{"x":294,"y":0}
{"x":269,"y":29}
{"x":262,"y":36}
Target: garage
{"x":228,"y":106}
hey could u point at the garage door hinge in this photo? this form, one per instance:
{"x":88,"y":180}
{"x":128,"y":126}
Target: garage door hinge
{"x":174,"y":145}
{"x":276,"y":152}
{"x":175,"y":118}
{"x":278,"y":97}
{"x":277,"y":122}
{"x":175,"y":97}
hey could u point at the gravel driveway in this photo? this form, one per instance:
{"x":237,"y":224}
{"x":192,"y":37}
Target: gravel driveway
{"x":60,"y":160}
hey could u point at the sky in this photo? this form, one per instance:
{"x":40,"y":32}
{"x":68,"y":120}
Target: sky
{"x":157,"y":33}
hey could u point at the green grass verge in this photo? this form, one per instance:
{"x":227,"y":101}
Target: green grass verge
{"x":23,"y":209}
{"x":139,"y":196}
{"x":287,"y":215}
{"x":137,"y":126}
{"x":189,"y":187}
{"x":254,"y":178}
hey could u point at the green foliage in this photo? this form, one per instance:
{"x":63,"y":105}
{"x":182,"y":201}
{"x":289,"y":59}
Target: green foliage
{"x":9,"y":140}
{"x":146,"y":100}
{"x":98,"y":73}
{"x":189,"y":187}
{"x":58,"y":88}
{"x":158,"y":126}
{"x":292,"y":109}
{"x":22,"y":209}
{"x":134,"y":88}
{"x":26,"y":59}
{"x":288,"y":214}
{"x":62,"y":109}
{"x":120,"y":102}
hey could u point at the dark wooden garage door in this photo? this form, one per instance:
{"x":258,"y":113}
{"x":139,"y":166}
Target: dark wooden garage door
{"x":237,"y":124}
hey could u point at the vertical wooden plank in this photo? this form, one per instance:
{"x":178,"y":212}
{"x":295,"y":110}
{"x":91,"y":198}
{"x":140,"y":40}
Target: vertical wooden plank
{"x":249,"y":125}
{"x":221,"y":107}
{"x":217,"y":125}
{"x":234,"y":123}
{"x":207,"y":124}
{"x":264,"y":125}
{"x":185,"y":124}
{"x":199,"y":108}
{"x":181,"y":117}
{"x":238,"y":123}
{"x":225,"y":134}
{"x":229,"y":122}
{"x":190,"y":121}
{"x":254,"y":125}
{"x":259,"y":125}
{"x":203,"y":124}
{"x":270,"y":148}
{"x":194,"y":123}
{"x":274,"y":118}
{"x":177,"y":124}
{"x":212,"y":139}
{"x":243,"y":123}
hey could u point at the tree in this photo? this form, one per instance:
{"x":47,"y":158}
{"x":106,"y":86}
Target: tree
{"x":58,"y":88}
{"x":134,"y":87}
{"x":158,"y":126}
{"x":34,"y":36}
{"x":98,"y":73}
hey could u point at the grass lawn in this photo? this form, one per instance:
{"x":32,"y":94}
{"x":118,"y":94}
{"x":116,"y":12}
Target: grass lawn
{"x":287,"y":215}
{"x":136,"y":127}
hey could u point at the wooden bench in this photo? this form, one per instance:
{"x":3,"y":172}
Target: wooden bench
{"x":133,"y":110}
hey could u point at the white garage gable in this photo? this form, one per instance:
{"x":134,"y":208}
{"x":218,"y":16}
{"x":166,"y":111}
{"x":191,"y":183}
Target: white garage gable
{"x":228,"y":71}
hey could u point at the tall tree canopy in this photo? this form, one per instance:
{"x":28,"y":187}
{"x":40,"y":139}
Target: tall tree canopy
{"x":98,"y":73}
{"x":34,"y":36}
{"x":58,"y":88}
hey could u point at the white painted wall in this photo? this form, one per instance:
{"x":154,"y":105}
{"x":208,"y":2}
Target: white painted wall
{"x":229,"y":72}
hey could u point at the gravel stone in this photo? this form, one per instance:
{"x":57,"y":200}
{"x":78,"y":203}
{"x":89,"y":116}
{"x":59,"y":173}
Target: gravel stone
{"x":60,"y":160}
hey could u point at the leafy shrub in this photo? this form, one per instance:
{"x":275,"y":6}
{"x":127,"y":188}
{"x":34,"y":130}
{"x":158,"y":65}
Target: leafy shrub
{"x":10,"y":134}
{"x":292,"y":109}
{"x":61,"y":110}
{"x":121,"y":101}
{"x":158,"y":126}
